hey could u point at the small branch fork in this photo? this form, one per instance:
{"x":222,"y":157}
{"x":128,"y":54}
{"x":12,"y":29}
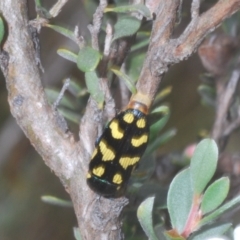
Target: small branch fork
{"x":97,"y":22}
{"x":222,"y":127}
{"x":28,"y":103}
{"x":164,"y":51}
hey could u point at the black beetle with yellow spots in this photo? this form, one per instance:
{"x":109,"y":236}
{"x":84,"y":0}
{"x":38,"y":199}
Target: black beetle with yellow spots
{"x":119,"y":150}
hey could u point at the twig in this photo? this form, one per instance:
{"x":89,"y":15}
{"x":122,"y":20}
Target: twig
{"x":61,"y":94}
{"x":231,"y":127}
{"x":195,"y":9}
{"x":222,"y":128}
{"x":171,"y":51}
{"x":57,"y":7}
{"x":108,"y":39}
{"x":60,"y":120}
{"x":97,"y":22}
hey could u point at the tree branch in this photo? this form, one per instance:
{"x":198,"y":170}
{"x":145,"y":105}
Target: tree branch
{"x":222,"y":128}
{"x":56,"y":9}
{"x":26,"y":97}
{"x":164,"y":51}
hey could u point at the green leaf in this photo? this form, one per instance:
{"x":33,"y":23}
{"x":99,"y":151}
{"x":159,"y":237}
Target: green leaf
{"x":38,"y":3}
{"x":67,"y":55}
{"x":134,"y":63}
{"x":76,"y":233}
{"x":140,"y":8}
{"x":211,"y":232}
{"x":163,"y":94}
{"x":230,"y":25}
{"x":56,"y":201}
{"x":76,"y":89}
{"x":208,"y":94}
{"x":212,"y":216}
{"x":65,"y":32}
{"x":215,"y":194}
{"x":179,"y":199}
{"x":88,"y":59}
{"x":159,"y":230}
{"x":160,"y":124}
{"x":2,"y":30}
{"x":157,"y":114}
{"x":126,"y":79}
{"x":173,"y":235}
{"x":52,"y":95}
{"x":93,"y":87}
{"x":203,"y":164}
{"x":144,"y":214}
{"x":70,"y":115}
{"x":43,"y":12}
{"x":126,"y":26}
{"x":159,"y":141}
{"x":139,"y":45}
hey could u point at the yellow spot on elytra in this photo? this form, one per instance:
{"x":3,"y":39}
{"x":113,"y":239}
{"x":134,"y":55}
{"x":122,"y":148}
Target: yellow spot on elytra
{"x":89,"y":175}
{"x":117,"y":132}
{"x":99,"y":171}
{"x":94,"y":153}
{"x":117,"y":178}
{"x":138,"y":141}
{"x":108,"y":153}
{"x":141,"y":123}
{"x":128,"y":161}
{"x":128,"y":118}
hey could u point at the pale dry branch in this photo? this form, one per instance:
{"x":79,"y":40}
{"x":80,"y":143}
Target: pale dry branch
{"x":165,"y":51}
{"x":195,"y":8}
{"x":222,"y":128}
{"x":26,"y":97}
{"x":56,"y":9}
{"x":97,"y":21}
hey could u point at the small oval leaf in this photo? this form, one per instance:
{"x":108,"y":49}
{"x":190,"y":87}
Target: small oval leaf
{"x":67,"y":55}
{"x":157,"y":114}
{"x":215,"y":194}
{"x":2,"y":30}
{"x":173,"y":235}
{"x":134,"y":63}
{"x":88,"y":59}
{"x":159,"y":141}
{"x":65,"y":32}
{"x":208,"y":94}
{"x":76,"y":89}
{"x":218,"y":212}
{"x":211,"y":232}
{"x":140,"y":8}
{"x":144,"y":214}
{"x":126,"y":26}
{"x":158,"y":124}
{"x":77,"y":233}
{"x":56,"y":201}
{"x":92,"y":82}
{"x":179,"y":199}
{"x":203,"y":164}
{"x":125,"y":78}
{"x":162,"y":94}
